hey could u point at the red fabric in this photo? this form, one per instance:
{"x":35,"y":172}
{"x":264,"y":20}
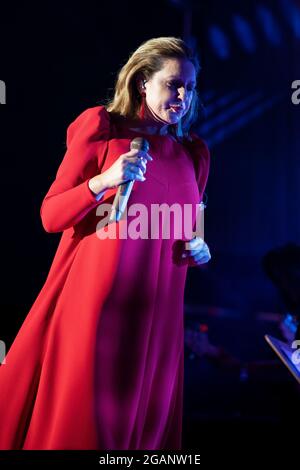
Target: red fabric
{"x":98,"y":361}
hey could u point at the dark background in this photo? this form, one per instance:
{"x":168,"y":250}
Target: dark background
{"x":58,"y":59}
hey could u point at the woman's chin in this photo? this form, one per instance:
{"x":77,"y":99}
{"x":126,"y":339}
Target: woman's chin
{"x":172,"y":119}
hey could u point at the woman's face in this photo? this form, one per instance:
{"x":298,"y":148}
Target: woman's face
{"x":169,"y":91}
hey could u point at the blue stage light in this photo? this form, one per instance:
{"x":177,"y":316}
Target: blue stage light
{"x":244,"y":33}
{"x":292,"y":14}
{"x":269,"y":25}
{"x":219,"y":42}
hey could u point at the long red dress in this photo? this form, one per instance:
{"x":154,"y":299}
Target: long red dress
{"x":98,"y":361}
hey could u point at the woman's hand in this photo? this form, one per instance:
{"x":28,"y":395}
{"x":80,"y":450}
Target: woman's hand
{"x":197,"y":251}
{"x":129,"y":166}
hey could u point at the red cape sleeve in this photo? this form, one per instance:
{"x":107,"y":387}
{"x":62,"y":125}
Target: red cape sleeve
{"x":201,"y":158}
{"x":69,"y":198}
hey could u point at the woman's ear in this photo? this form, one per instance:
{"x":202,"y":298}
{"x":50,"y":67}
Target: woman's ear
{"x":140,"y":83}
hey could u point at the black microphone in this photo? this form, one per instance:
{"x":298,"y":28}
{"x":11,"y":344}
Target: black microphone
{"x":124,"y":190}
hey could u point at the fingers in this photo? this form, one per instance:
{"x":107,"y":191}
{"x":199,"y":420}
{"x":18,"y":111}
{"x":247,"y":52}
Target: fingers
{"x":141,"y":164}
{"x":134,"y":173}
{"x":196,"y":242}
{"x":138,"y":162}
{"x":194,"y":252}
{"x":197,"y":250}
{"x":139,"y":154}
{"x":201,"y":259}
{"x":134,"y":165}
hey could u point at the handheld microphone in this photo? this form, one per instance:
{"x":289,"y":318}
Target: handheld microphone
{"x":124,"y":190}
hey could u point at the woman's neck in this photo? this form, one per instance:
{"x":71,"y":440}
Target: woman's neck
{"x":151,"y":129}
{"x":148,"y":126}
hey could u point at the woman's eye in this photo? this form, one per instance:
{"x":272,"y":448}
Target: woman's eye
{"x":171,"y":85}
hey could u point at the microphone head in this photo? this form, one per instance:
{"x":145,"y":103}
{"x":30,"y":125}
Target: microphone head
{"x":139,"y":143}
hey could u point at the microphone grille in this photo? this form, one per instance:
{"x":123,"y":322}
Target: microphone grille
{"x":139,"y":143}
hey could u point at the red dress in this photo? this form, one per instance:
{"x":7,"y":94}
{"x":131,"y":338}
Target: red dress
{"x":98,"y":361}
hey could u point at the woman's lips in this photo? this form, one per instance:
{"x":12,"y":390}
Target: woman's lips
{"x":176,"y":109}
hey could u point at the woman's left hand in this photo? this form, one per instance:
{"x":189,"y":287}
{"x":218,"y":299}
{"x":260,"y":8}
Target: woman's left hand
{"x":197,"y":251}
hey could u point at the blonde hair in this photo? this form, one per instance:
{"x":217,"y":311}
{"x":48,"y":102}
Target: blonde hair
{"x":146,"y":60}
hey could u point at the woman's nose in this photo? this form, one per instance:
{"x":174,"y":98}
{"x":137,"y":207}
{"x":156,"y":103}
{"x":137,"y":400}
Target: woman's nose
{"x":182,"y":92}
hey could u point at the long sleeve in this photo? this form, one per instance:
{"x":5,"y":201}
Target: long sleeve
{"x":69,"y":198}
{"x":201,"y":157}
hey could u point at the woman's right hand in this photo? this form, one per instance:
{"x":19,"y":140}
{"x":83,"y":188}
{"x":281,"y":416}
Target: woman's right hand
{"x":129,"y":166}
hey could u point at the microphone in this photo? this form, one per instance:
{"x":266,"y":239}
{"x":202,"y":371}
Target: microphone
{"x":124,"y":190}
